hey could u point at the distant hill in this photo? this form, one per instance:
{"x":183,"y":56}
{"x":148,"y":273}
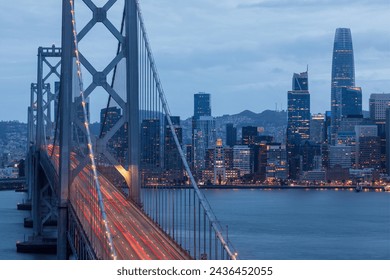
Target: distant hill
{"x":7,"y":127}
{"x":273,"y":122}
{"x":248,"y":118}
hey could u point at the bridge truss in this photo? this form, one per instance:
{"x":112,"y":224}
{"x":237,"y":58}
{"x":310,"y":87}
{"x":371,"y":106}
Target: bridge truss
{"x":116,"y":195}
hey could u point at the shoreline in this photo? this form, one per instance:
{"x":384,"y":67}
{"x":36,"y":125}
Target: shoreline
{"x":265,"y":187}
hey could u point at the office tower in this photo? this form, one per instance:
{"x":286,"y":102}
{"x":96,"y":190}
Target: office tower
{"x":228,"y":157}
{"x":368,"y":153}
{"x":173,"y":163}
{"x":343,"y":74}
{"x":203,"y":130}
{"x":328,"y":123}
{"x":231,"y":135}
{"x":249,"y":134}
{"x":310,"y":153}
{"x":340,"y":155}
{"x":108,"y":118}
{"x":277,"y":168}
{"x":79,"y":135}
{"x":118,"y":142}
{"x":387,"y":125}
{"x":202,"y":106}
{"x":379,"y":102}
{"x":219,"y":163}
{"x":260,"y":160}
{"x":298,"y":123}
{"x":189,"y":156}
{"x":203,"y":135}
{"x":367,"y":146}
{"x":150,"y":144}
{"x":242,"y":159}
{"x":351,"y":101}
{"x":317,"y":128}
{"x":299,"y":108}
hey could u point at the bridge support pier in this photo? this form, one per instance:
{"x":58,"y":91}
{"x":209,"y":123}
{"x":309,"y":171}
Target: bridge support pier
{"x":65,"y":128}
{"x":132,"y":100}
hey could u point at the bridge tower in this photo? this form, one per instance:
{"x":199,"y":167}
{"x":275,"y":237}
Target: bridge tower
{"x":75,"y":90}
{"x":85,"y":172}
{"x":41,"y":123}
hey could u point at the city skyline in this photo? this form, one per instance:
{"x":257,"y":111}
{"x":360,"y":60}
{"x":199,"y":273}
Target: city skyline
{"x":250,"y":56}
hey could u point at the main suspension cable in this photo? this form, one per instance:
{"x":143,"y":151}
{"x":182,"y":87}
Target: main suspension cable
{"x":89,"y":140}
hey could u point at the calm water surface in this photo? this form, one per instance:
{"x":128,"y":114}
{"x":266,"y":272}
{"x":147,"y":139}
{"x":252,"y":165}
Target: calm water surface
{"x":303,"y":225}
{"x":12,"y":229}
{"x":285,"y":224}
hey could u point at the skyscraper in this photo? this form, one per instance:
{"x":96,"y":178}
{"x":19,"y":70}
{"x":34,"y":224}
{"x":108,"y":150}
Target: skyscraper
{"x":172,"y":160}
{"x":203,"y":130}
{"x":203,"y":137}
{"x":343,"y":74}
{"x":317,"y":128}
{"x":351,"y":101}
{"x":379,"y":102}
{"x":150,"y":144}
{"x":202,"y":105}
{"x":298,"y":123}
{"x":117,"y":144}
{"x":231,"y":135}
{"x":249,"y":134}
{"x":299,"y":108}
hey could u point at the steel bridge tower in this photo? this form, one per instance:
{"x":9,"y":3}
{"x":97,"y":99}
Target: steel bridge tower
{"x":128,"y":51}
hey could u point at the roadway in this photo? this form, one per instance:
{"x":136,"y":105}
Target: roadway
{"x":135,"y":236}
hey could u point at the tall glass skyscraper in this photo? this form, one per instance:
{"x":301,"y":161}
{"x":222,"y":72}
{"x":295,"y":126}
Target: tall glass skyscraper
{"x":203,"y":130}
{"x":202,"y":105}
{"x":298,"y":123}
{"x":343,"y":75}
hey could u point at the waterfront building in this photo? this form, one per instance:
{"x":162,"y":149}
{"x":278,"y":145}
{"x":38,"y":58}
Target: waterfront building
{"x":260,"y":160}
{"x":343,"y":75}
{"x":219,"y":163}
{"x":310,"y":155}
{"x":277,"y":168}
{"x":367,"y":146}
{"x":368,"y":152}
{"x":241,"y":159}
{"x":314,"y":176}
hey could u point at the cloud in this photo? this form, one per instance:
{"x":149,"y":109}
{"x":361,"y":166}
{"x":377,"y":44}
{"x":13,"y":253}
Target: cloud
{"x":245,"y":49}
{"x":287,"y":4}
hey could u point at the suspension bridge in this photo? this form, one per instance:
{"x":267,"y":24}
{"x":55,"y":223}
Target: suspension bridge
{"x":110,"y":192}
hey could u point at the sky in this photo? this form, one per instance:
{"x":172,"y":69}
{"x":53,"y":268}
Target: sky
{"x":242,"y":52}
